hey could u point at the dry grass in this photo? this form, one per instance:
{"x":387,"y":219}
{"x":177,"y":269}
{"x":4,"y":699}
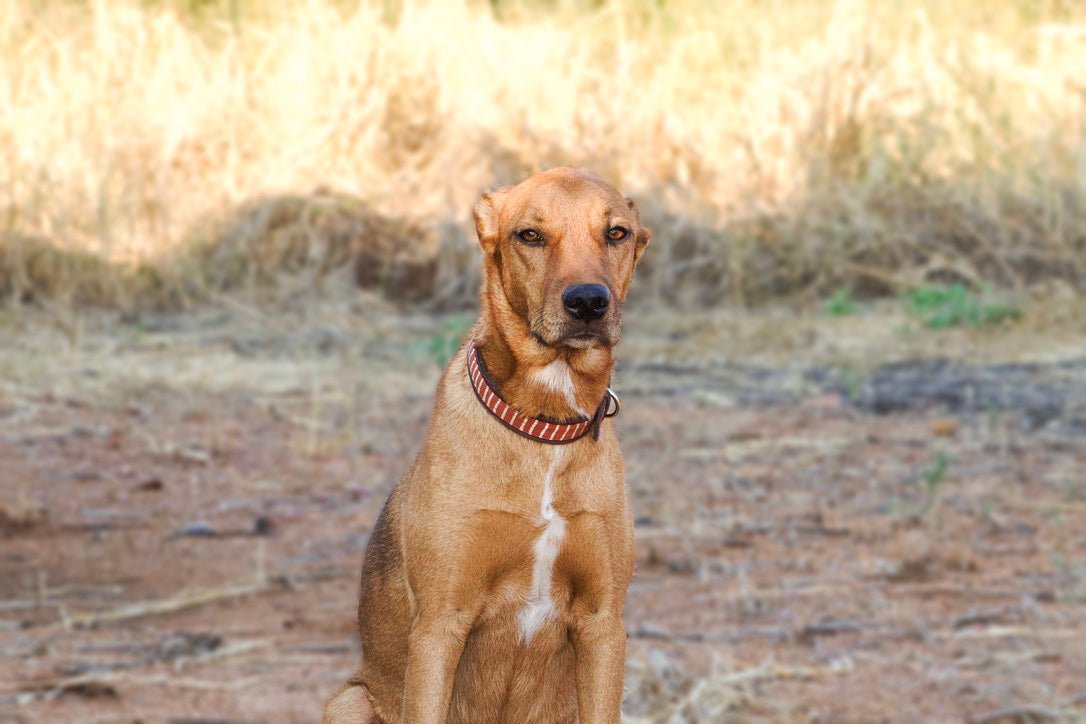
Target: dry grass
{"x":777,"y":148}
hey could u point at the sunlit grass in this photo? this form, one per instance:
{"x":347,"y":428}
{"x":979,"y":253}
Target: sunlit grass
{"x":775,"y":147}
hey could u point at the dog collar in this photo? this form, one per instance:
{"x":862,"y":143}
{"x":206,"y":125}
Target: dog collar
{"x":551,"y":432}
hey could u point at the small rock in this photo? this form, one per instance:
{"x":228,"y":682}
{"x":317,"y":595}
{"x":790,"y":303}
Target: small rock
{"x":944,"y":427}
{"x":151,"y":485}
{"x":263,"y":525}
{"x":198,"y":529}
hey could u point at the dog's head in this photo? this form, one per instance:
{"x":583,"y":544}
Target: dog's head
{"x":561,"y":248}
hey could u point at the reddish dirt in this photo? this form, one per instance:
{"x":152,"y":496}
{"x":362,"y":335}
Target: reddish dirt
{"x":790,"y":565}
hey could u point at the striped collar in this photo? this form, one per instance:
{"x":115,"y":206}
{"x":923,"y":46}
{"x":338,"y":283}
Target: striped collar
{"x":551,"y":432}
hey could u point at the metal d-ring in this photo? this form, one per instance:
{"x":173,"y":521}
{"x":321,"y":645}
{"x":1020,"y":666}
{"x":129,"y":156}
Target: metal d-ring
{"x":612,"y":397}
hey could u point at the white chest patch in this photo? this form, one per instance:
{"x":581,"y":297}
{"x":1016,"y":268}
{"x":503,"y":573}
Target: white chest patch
{"x":540,"y":606}
{"x":558,"y":377}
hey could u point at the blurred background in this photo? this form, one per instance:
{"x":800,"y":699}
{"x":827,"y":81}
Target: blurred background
{"x":236,"y":251}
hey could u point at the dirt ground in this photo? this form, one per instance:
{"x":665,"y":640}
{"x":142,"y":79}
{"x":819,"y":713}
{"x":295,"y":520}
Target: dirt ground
{"x":828,"y":530}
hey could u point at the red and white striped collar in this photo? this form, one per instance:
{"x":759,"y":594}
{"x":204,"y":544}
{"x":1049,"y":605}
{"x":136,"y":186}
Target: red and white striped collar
{"x":552,"y":432}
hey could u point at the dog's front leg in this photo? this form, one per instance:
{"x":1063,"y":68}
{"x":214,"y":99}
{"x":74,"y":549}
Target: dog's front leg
{"x":433,"y":653}
{"x":599,"y":642}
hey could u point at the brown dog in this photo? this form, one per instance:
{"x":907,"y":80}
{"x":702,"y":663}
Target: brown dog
{"x":494,"y":581}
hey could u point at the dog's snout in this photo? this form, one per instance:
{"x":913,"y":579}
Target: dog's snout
{"x":586,"y":302}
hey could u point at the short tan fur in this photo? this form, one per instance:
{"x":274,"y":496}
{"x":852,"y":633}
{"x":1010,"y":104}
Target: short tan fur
{"x":494,"y":581}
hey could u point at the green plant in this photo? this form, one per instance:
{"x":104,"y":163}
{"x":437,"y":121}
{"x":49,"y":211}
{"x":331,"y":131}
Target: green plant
{"x":851,"y":377}
{"x":931,"y":480}
{"x":943,"y":307}
{"x":442,"y":345}
{"x":840,"y":303}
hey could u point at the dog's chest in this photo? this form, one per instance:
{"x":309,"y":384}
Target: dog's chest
{"x":552,"y":544}
{"x":539,"y":606}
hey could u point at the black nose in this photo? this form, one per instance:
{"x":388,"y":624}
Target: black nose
{"x":586,"y":302}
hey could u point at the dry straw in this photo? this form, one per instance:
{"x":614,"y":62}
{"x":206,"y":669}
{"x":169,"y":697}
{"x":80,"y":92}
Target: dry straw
{"x":156,"y":151}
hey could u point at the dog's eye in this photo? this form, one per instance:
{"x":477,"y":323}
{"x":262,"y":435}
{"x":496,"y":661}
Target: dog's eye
{"x":530,"y":236}
{"x":616,"y":234}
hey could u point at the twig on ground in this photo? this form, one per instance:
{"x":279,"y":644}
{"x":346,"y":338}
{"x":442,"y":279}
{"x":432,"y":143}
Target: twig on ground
{"x":772,"y":671}
{"x":319,"y":648}
{"x":170,"y":605}
{"x":1044,"y":506}
{"x":949,"y":589}
{"x":241,"y":647}
{"x":101,"y":682}
{"x":105,"y":681}
{"x":996,"y":632}
{"x":1024,"y":713}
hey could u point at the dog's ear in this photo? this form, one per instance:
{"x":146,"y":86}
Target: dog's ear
{"x":487,"y":211}
{"x":643,"y":235}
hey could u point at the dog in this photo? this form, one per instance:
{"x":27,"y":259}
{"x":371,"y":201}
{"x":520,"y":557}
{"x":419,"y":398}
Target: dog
{"x":495,"y":577}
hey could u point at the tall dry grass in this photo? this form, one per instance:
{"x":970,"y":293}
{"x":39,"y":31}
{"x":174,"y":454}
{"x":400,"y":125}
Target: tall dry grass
{"x":159,"y":150}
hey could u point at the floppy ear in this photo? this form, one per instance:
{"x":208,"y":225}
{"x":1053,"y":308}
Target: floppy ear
{"x":643,"y":235}
{"x":486,"y":212}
